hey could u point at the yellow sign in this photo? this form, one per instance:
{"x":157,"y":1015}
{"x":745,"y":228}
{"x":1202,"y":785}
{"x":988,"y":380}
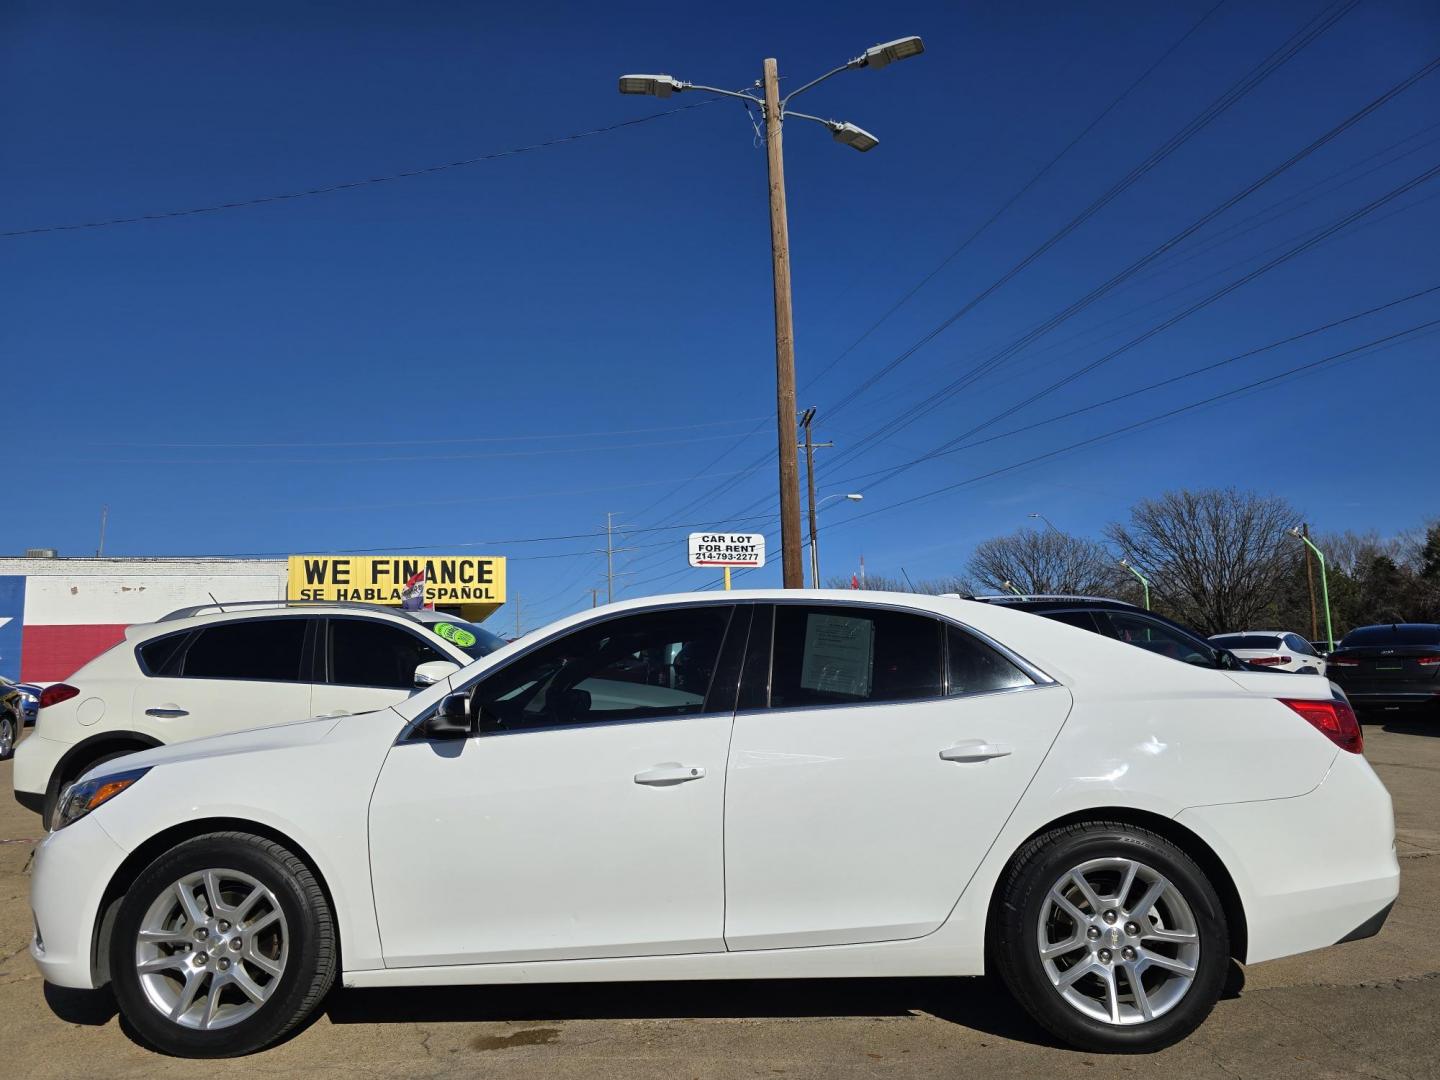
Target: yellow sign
{"x":473,"y":583}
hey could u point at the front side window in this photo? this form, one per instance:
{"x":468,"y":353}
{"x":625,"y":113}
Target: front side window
{"x":976,"y":668}
{"x":652,"y":665}
{"x":1156,"y":637}
{"x":833,"y":655}
{"x":261,"y":650}
{"x":370,"y":653}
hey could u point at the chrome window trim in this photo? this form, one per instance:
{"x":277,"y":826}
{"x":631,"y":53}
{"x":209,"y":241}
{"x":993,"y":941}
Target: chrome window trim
{"x":1040,"y":679}
{"x":898,"y":701}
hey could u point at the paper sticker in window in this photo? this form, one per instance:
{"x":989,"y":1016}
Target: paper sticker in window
{"x":839,"y":655}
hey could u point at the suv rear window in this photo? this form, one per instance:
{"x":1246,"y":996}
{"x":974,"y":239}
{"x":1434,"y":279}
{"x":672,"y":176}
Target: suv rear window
{"x":1247,"y":641}
{"x":261,"y":650}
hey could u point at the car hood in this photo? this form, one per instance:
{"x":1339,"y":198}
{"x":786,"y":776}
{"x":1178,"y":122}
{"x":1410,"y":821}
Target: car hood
{"x":277,"y":737}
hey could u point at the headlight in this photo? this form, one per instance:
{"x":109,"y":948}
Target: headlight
{"x":92,"y":794}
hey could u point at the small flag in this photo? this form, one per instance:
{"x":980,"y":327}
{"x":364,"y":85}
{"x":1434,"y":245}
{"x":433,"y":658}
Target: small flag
{"x":412,"y":597}
{"x":854,"y":582}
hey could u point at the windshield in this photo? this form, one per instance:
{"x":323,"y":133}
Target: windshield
{"x":473,"y":639}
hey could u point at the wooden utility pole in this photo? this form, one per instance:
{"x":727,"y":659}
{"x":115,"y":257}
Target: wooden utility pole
{"x":1310,"y":577}
{"x":810,"y":447}
{"x":517,"y":614}
{"x":594,"y":598}
{"x":609,"y":559}
{"x":794,"y":574}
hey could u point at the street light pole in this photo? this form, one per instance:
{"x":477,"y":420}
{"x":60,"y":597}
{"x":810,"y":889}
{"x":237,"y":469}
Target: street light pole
{"x":1144,"y":581}
{"x":774,"y":108}
{"x":1304,"y":538}
{"x":854,"y":496}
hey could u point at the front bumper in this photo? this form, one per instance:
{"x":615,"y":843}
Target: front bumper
{"x":1313,"y":870}
{"x":67,"y":884}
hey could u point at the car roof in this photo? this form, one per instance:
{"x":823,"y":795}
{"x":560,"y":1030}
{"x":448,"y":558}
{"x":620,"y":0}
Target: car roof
{"x":1053,"y":600}
{"x":1242,"y":633}
{"x":233,"y":610}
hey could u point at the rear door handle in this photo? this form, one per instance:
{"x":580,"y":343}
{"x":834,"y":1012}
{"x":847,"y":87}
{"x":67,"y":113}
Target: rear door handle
{"x":669,"y":774}
{"x":167,"y":711}
{"x":974,"y":750}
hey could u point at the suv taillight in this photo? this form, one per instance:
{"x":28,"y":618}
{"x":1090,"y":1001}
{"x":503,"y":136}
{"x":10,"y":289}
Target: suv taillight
{"x":1334,"y":719}
{"x":56,"y":693}
{"x":1428,"y":661}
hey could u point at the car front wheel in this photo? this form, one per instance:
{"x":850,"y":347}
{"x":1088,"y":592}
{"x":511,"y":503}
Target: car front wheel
{"x":221,"y":946}
{"x":1111,"y":937}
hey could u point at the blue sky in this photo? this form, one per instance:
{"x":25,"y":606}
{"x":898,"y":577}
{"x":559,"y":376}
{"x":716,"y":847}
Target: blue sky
{"x":516,"y":347}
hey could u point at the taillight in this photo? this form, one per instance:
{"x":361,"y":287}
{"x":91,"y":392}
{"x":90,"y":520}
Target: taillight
{"x":1268,"y":660}
{"x":56,"y":693}
{"x":1334,"y":719}
{"x":1428,"y":661}
{"x":1336,"y":661}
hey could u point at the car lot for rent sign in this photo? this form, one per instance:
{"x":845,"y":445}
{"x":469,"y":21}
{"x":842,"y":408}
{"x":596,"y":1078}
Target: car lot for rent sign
{"x":727,"y":549}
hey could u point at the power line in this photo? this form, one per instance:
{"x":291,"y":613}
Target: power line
{"x":1171,"y":380}
{"x":1341,"y":357}
{"x":1204,"y":302}
{"x":1039,"y":175}
{"x":347,"y":185}
{"x":1267,"y":67}
{"x":435,"y":442}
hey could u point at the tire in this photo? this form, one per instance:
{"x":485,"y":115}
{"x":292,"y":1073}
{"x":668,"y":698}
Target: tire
{"x":9,"y":734}
{"x":52,"y":798}
{"x":233,"y":993}
{"x":1183,"y":927}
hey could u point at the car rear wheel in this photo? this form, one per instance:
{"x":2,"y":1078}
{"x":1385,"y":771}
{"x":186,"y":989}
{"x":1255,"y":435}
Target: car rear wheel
{"x":1111,"y":937}
{"x":9,"y":734}
{"x":221,"y":946}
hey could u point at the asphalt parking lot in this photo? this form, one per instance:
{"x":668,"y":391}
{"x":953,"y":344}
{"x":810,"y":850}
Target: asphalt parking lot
{"x":1366,"y":1009}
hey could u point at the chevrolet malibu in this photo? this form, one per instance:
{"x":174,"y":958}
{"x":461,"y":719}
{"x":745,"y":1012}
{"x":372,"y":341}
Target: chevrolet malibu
{"x":759,"y":785}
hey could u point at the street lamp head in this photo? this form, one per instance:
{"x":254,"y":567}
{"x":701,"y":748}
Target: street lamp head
{"x":877,"y":56}
{"x":1295,"y":531}
{"x":1125,"y":563}
{"x":854,"y":136}
{"x":855,"y":497}
{"x":661,"y":86}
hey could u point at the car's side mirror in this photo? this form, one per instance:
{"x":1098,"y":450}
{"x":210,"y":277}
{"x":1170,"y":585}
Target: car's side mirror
{"x":451,"y":720}
{"x":433,"y":671}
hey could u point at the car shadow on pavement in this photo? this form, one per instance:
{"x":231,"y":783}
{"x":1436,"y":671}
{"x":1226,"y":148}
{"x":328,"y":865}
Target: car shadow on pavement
{"x":1406,"y":723}
{"x":88,"y":1008}
{"x":978,"y":1003}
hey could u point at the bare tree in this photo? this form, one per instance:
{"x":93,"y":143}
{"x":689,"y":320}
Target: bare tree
{"x":1044,"y":561}
{"x":1218,"y":559}
{"x":882,"y":583}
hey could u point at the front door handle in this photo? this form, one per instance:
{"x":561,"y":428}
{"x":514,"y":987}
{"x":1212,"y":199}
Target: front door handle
{"x":167,"y":710}
{"x":974,"y":750}
{"x":669,"y":774}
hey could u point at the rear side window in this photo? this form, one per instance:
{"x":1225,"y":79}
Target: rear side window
{"x":1295,"y":643}
{"x":1154,"y":636}
{"x":263,"y":650}
{"x":840,"y":655}
{"x":1083,"y":619}
{"x":161,"y":657}
{"x":975,"y":667}
{"x":368,"y":653}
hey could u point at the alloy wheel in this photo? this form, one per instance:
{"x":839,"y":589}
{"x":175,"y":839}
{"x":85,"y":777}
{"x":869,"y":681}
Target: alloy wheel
{"x":1118,"y":941}
{"x":212,"y":948}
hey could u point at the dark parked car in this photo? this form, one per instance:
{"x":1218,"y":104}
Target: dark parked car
{"x":1390,"y":666}
{"x":12,"y":718}
{"x":1141,"y":628}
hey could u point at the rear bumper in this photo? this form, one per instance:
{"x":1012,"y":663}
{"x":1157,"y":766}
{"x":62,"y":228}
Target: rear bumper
{"x":1367,"y":698}
{"x":1313,"y":870}
{"x":35,"y":761}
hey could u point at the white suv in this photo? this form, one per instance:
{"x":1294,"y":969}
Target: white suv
{"x":210,"y":670}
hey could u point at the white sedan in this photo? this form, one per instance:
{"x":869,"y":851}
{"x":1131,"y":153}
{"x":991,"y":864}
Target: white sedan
{"x":754,"y":785}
